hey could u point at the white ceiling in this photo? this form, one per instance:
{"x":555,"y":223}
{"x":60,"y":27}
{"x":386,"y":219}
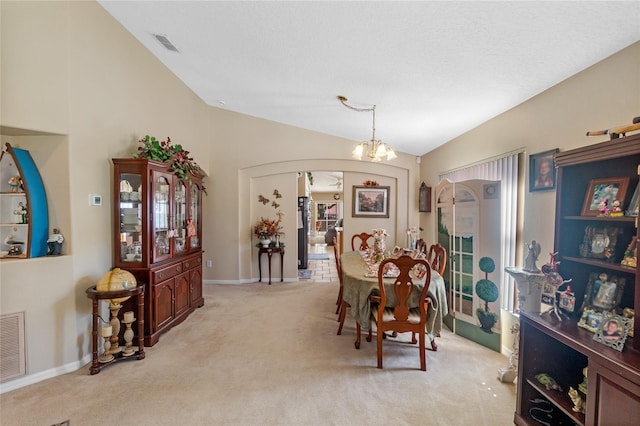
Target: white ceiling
{"x":435,"y":69}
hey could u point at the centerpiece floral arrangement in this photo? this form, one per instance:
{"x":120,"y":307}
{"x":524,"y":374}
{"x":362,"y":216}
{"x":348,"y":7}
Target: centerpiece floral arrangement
{"x":266,"y":229}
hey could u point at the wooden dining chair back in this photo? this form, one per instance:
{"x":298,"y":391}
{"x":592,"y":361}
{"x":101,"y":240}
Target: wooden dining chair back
{"x":360,"y":239}
{"x":437,"y":257}
{"x":341,"y":310}
{"x":421,"y":246}
{"x":401,"y":317}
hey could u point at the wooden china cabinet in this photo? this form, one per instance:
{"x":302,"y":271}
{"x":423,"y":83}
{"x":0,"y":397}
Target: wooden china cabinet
{"x":562,"y":349}
{"x":158,"y":238}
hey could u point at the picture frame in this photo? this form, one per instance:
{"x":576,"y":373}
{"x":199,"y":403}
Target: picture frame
{"x":542,"y":171}
{"x":590,"y":320}
{"x":611,"y":189}
{"x":632,"y":208}
{"x":603,"y":292}
{"x":613,"y":331}
{"x":371,"y":201}
{"x":629,"y":313}
{"x":599,"y":242}
{"x":424,"y":198}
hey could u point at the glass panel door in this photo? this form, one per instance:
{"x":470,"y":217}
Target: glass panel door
{"x":161,"y":215}
{"x":180,"y":225}
{"x":193,"y":226}
{"x":130,"y":204}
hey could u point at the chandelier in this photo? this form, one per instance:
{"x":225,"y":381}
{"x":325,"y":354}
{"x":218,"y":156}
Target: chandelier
{"x":375,"y":149}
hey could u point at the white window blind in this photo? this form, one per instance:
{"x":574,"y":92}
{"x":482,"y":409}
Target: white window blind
{"x":503,"y":168}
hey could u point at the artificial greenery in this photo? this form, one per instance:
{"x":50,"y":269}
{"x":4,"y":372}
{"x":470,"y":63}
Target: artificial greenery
{"x":178,"y":158}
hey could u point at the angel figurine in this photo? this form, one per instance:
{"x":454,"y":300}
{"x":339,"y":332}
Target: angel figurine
{"x":532,"y":257}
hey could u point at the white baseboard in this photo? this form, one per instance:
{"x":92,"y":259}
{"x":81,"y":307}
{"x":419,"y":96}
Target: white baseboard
{"x":44,"y":375}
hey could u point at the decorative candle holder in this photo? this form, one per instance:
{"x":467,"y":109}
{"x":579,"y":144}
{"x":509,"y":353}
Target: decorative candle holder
{"x":128,"y":334}
{"x":106,"y":356}
{"x":115,"y":324}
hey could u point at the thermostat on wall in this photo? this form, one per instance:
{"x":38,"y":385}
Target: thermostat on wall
{"x":95,"y":200}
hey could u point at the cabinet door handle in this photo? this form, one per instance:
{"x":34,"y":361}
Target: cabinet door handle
{"x":186,"y":264}
{"x":160,"y":275}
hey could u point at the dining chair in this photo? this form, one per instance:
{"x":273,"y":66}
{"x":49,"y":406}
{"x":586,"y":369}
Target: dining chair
{"x":336,"y":255}
{"x":362,"y":237}
{"x":437,"y":257}
{"x":400,"y":317}
{"x":342,"y":304}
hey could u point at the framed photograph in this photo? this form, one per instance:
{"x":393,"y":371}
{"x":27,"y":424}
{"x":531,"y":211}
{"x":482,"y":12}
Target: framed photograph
{"x":599,"y":242}
{"x":542,"y":171}
{"x":613,"y":331}
{"x":632,"y":209}
{"x":590,"y":320}
{"x":602,"y":193}
{"x":424,"y":198}
{"x":371,"y":201}
{"x":603,"y":292}
{"x":629,"y":313}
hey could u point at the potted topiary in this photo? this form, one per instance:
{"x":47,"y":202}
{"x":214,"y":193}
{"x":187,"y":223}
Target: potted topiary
{"x":487,"y":291}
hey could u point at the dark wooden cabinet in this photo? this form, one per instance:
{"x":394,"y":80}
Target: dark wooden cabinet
{"x":561,"y":348}
{"x":158,"y":238}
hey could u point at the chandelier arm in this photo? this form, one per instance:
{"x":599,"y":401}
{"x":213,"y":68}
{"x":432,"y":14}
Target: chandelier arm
{"x":344,"y":102}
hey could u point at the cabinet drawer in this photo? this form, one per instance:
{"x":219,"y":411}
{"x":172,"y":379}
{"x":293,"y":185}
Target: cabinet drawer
{"x":166,"y":273}
{"x":193,"y":262}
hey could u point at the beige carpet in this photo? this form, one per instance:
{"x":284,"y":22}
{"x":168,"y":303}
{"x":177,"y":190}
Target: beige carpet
{"x":269,"y":355}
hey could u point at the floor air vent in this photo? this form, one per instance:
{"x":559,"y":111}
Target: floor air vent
{"x":13,"y":360}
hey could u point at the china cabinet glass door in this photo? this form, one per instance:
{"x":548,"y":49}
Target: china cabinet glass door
{"x":193,"y":227}
{"x":180,"y":225}
{"x":161,"y":216}
{"x":130,"y":205}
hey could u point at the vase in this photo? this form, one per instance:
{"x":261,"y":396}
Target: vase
{"x":265,"y":242}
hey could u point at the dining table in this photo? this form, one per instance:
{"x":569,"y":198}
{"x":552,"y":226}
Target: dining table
{"x":359,"y":283}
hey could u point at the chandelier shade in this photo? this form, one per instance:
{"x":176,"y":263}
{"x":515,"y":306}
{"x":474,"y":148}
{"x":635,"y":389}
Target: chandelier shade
{"x":373,"y":149}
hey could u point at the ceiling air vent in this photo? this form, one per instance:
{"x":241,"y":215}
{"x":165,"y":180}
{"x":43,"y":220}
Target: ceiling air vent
{"x":165,"y":42}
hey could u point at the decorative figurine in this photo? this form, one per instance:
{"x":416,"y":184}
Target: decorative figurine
{"x":616,"y":208}
{"x":532,"y":257}
{"x":555,"y":280}
{"x":604,"y":207}
{"x":578,"y":402}
{"x":15,"y":183}
{"x":583,"y":386}
{"x":54,"y":243}
{"x":548,"y":381}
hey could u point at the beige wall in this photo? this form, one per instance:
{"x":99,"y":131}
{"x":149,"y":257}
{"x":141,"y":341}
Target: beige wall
{"x":73,"y":76}
{"x":603,"y":96}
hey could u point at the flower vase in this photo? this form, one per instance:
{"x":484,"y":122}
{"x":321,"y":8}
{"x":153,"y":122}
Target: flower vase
{"x":378,"y":248}
{"x":265,"y":242}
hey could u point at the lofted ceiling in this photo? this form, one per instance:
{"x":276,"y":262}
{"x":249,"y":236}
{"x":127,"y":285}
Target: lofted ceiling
{"x":434,"y":69}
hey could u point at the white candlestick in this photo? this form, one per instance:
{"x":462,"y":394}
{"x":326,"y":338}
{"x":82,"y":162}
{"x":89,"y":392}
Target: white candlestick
{"x":128,"y":316}
{"x":107,"y":331}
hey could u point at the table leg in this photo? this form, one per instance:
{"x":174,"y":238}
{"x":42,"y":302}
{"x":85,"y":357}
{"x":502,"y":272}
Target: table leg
{"x":281,"y":266}
{"x":269,"y":255}
{"x":140,"y":320}
{"x":260,"y":267}
{"x":95,"y":366}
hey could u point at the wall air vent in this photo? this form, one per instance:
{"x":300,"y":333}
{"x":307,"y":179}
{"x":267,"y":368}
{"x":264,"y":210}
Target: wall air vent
{"x":13,"y":358}
{"x":166,"y":43}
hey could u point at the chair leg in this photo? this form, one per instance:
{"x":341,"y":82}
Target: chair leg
{"x":343,"y":313}
{"x":339,"y":301}
{"x":423,"y":355}
{"x":357,"y":342}
{"x":379,"y":339}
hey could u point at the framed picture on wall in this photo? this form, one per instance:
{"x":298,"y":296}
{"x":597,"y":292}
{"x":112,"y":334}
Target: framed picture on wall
{"x":542,"y":171}
{"x":371,"y":201}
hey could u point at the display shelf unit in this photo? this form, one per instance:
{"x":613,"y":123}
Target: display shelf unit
{"x":24,"y":215}
{"x":158,"y":238}
{"x":561,"y":348}
{"x":106,"y":296}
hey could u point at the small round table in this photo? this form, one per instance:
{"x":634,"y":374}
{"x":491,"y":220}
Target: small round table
{"x":270,"y":251}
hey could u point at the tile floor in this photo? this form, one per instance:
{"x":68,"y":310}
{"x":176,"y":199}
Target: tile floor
{"x":323,"y":271}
